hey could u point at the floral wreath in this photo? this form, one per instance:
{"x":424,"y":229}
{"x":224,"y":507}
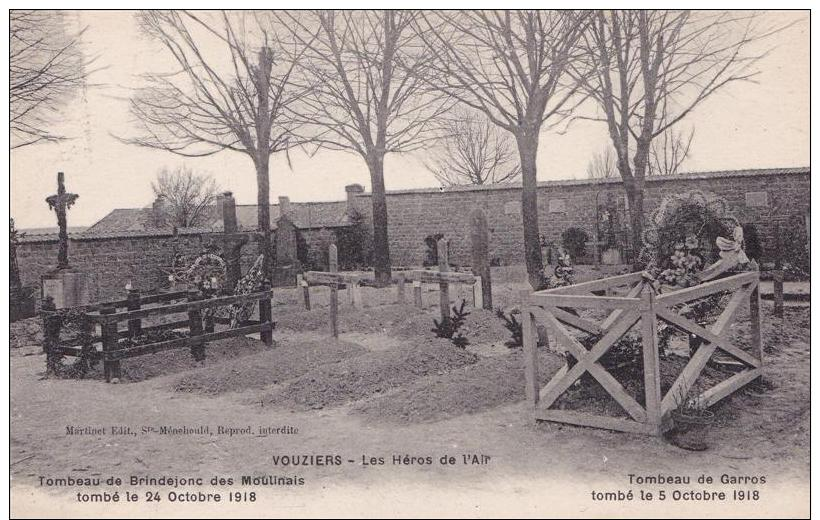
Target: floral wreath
{"x":206,"y":269}
{"x":681,"y":236}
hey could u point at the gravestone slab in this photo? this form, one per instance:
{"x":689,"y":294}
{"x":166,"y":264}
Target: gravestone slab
{"x":287,"y":262}
{"x":66,"y":287}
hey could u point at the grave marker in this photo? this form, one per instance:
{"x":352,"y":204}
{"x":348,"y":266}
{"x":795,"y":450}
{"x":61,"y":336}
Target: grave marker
{"x":480,"y":238}
{"x":333,"y":266}
{"x":444,"y":287}
{"x":287,"y":262}
{"x":65,"y":286}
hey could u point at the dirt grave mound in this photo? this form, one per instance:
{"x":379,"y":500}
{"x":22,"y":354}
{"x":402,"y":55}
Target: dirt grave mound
{"x":372,"y":319}
{"x":135,"y":370}
{"x":403,"y":321}
{"x":286,"y":361}
{"x":483,"y":326}
{"x":369,"y":374}
{"x":486,"y":384}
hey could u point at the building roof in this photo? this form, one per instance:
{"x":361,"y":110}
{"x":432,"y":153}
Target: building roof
{"x":48,"y":233}
{"x":304,"y":215}
{"x":141,"y":222}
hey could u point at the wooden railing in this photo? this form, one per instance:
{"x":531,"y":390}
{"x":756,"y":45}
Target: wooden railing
{"x":106,"y":318}
{"x":640,"y":306}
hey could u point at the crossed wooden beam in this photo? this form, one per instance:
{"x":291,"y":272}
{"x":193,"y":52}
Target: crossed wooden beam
{"x":641,"y":306}
{"x":354,"y":281}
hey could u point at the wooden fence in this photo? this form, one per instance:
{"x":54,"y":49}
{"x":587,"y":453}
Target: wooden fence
{"x":640,"y":306}
{"x":102,"y":329}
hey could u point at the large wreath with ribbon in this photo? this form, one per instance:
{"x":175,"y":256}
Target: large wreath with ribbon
{"x":688,"y":236}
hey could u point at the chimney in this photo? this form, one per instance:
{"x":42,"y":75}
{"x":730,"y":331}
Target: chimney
{"x":284,"y":207}
{"x":158,"y":210}
{"x":227,"y":209}
{"x":218,"y":202}
{"x":352,"y":190}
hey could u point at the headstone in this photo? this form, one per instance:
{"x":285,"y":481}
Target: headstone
{"x":333,"y":267}
{"x":287,"y":262}
{"x":65,"y":286}
{"x":444,"y":288}
{"x":480,"y":238}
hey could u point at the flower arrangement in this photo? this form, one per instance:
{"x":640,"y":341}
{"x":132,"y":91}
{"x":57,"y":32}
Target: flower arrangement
{"x":563,"y":273}
{"x":685,"y":262}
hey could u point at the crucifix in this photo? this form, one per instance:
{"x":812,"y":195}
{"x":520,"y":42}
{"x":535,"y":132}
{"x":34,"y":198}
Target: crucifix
{"x":60,"y":203}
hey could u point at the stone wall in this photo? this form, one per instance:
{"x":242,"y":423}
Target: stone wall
{"x":764,"y":198}
{"x":109,"y":262}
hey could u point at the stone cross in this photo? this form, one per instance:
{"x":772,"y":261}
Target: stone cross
{"x":60,"y":203}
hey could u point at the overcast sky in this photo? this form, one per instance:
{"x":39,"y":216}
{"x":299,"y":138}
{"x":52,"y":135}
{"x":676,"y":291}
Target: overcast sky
{"x":765,"y":124}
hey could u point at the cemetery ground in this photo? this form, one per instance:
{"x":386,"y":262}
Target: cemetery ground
{"x":387,"y":387}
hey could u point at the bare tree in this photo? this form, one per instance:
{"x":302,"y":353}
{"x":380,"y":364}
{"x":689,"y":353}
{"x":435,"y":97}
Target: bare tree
{"x":46,"y":67}
{"x":650,"y":69}
{"x":185,"y":196}
{"x":475,"y":151}
{"x":602,"y":165}
{"x":231,"y":91}
{"x":669,"y":152}
{"x":667,"y":155}
{"x":510,"y":65}
{"x":368,"y":94}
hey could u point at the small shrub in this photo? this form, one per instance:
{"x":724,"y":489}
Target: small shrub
{"x":794,"y":251}
{"x":574,"y":241}
{"x":754,"y":249}
{"x":514,"y":326}
{"x":449,"y":327}
{"x":355,"y":244}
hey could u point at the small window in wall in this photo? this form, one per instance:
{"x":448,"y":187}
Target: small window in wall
{"x":557,"y":206}
{"x":512,"y":207}
{"x":757,"y":199}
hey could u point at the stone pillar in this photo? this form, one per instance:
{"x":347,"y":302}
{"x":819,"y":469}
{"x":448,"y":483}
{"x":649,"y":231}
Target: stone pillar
{"x":220,"y":198}
{"x":287,"y":261}
{"x":158,"y":210}
{"x":284,"y":207}
{"x":352,"y":190}
{"x":227,"y":210}
{"x":232,"y":248}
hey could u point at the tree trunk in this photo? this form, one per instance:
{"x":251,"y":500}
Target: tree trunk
{"x":263,"y":204}
{"x":262,"y":156}
{"x":528,"y":151}
{"x":634,"y":195}
{"x":381,"y":247}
